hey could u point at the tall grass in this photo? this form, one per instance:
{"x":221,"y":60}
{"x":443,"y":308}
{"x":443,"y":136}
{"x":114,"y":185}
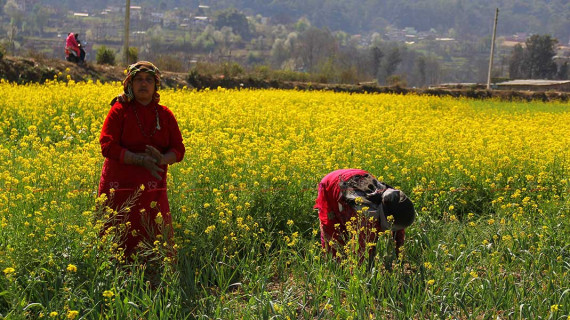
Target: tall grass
{"x":489,"y":180}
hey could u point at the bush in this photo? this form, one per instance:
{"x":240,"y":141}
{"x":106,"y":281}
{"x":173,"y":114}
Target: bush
{"x":397,"y":81}
{"x":262,"y":72}
{"x":232,"y":69}
{"x":205,"y":69}
{"x":133,"y":54}
{"x":349,"y":76}
{"x":169,"y":63}
{"x":105,"y":56}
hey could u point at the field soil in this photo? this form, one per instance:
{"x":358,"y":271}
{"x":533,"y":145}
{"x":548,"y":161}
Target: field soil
{"x":26,"y":70}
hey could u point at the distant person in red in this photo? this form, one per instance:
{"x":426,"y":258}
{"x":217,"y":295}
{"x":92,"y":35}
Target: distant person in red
{"x":344,"y":192}
{"x":140,"y":138}
{"x":72,"y":48}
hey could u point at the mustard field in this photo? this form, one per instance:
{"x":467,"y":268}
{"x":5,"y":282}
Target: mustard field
{"x":489,"y":179}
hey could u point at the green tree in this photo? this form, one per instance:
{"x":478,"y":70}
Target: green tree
{"x":516,"y":63}
{"x":376,"y":58}
{"x":205,"y":40}
{"x":538,"y":60}
{"x":14,"y":11}
{"x":389,"y":64}
{"x":39,"y":18}
{"x":421,"y":65}
{"x":563,"y":72}
{"x":302,"y":24}
{"x":235,"y":20}
{"x":279,"y":53}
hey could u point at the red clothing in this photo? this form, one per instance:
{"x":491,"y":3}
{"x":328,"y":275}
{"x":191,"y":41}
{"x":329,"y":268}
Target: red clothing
{"x":71,"y":44}
{"x":334,"y":209}
{"x":121,"y":132}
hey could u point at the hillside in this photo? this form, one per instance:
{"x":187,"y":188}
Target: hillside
{"x":466,"y":18}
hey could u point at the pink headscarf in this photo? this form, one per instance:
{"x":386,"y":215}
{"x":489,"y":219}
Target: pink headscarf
{"x":71,"y":43}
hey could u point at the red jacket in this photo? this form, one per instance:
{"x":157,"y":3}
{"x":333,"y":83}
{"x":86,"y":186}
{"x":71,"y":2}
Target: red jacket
{"x":71,"y":44}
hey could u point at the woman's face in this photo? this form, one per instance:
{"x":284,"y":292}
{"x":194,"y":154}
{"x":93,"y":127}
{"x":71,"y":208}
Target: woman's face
{"x":143,"y":87}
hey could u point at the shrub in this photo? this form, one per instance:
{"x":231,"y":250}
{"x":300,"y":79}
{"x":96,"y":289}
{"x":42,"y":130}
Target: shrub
{"x":262,"y":72}
{"x":397,"y":81}
{"x":206,"y":68}
{"x":170,"y":63}
{"x":349,"y":75}
{"x":133,"y":54}
{"x":105,"y":56}
{"x":232,"y":69}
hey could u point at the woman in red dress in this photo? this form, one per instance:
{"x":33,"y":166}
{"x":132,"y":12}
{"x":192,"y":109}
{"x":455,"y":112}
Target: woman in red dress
{"x":139,"y":140}
{"x":342,"y":193}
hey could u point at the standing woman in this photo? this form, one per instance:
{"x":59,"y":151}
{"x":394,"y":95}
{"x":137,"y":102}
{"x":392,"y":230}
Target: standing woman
{"x":139,"y":140}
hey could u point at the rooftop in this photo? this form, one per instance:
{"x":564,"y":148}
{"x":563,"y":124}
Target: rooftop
{"x":533,"y":82}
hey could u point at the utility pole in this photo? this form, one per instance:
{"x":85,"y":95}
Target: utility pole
{"x":127,"y":22}
{"x":492,"y":50}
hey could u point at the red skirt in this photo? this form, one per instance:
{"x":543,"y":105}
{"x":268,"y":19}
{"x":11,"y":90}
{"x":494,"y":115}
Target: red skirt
{"x":138,"y":198}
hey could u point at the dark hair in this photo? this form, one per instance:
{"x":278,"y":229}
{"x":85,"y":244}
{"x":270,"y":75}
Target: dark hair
{"x":403,"y":212}
{"x":375,"y":197}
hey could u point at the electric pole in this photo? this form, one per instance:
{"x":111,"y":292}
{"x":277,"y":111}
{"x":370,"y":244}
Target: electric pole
{"x":127,"y":21}
{"x":492,"y":50}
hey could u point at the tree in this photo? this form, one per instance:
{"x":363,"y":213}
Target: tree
{"x":205,"y":40}
{"x":421,"y":64}
{"x":432,"y":70}
{"x":538,"y":60}
{"x":15,"y":12}
{"x":389,"y":64}
{"x":314,"y":46}
{"x":376,"y":57}
{"x":16,"y":15}
{"x":563,"y":72}
{"x":535,"y":60}
{"x":282,"y":51}
{"x":279,"y":53}
{"x":235,"y":20}
{"x":39,"y":18}
{"x":516,"y":63}
{"x":302,"y":24}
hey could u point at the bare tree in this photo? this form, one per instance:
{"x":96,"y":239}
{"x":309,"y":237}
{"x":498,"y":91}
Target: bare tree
{"x":315,"y":45}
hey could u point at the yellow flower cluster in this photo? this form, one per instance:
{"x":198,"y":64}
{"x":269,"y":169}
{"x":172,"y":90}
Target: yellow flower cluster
{"x":255,"y":158}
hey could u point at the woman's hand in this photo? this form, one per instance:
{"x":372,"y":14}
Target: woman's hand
{"x":156,"y":155}
{"x":144,"y":160}
{"x":161,"y":159}
{"x":150,"y":164}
